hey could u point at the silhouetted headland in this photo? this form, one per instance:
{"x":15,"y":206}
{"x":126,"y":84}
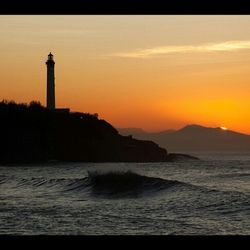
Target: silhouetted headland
{"x":33,"y":133}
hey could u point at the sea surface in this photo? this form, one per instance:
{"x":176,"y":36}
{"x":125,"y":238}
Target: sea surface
{"x":206,"y":197}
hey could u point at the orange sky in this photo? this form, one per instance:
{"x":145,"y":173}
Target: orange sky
{"x":152,"y":72}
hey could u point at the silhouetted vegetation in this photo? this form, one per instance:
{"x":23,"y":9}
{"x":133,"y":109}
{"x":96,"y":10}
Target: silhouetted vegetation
{"x":32,"y":133}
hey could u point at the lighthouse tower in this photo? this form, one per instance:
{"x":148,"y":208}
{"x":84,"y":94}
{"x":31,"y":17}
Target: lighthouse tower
{"x":51,"y":104}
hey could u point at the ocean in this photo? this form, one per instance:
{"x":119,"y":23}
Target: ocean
{"x":206,"y":197}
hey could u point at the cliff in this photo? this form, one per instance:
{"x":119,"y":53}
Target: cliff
{"x":32,"y":133}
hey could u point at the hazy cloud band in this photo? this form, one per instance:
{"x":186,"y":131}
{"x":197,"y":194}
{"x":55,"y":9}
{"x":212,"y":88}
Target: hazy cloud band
{"x":165,"y":50}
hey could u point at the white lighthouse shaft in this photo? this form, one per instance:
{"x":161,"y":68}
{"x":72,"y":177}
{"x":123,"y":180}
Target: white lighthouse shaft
{"x":51,"y":104}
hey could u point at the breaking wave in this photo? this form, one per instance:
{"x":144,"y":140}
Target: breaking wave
{"x":107,"y":184}
{"x":127,"y":184}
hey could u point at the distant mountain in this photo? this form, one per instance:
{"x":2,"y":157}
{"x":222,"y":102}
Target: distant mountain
{"x":194,"y":138}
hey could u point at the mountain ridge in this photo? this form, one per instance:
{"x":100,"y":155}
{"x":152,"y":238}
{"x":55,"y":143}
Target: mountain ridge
{"x":195,"y":137}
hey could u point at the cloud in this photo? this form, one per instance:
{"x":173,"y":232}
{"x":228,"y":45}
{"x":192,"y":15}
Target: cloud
{"x":170,"y":49}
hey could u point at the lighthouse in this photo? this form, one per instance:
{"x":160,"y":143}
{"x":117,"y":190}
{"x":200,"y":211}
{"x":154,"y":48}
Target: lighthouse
{"x":51,"y":103}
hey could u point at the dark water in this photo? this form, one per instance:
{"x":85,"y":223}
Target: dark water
{"x":204,"y":197}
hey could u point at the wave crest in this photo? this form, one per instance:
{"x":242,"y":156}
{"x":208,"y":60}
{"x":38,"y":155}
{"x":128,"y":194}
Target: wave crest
{"x":126,"y":183}
{"x":111,"y":184}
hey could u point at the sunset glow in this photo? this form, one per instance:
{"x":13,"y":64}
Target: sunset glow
{"x":150,"y":72}
{"x":223,"y":128}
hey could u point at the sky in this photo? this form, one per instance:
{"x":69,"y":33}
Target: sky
{"x":151,"y":72}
